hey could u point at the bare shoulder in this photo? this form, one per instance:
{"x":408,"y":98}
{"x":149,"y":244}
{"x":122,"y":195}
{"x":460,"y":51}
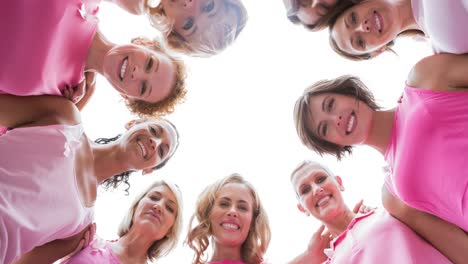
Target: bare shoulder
{"x":429,"y":73}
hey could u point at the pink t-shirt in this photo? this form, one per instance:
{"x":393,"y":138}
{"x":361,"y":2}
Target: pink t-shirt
{"x":444,"y":22}
{"x":377,"y":237}
{"x":427,"y":154}
{"x":39,"y":199}
{"x":44,"y":44}
{"x":98,"y":252}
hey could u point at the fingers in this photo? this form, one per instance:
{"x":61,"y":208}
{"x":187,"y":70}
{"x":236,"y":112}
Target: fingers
{"x":92,"y":232}
{"x":358,"y":206}
{"x":78,"y":92}
{"x":67,"y":92}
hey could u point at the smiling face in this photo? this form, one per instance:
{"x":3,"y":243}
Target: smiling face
{"x":310,"y":11}
{"x":156,"y":212}
{"x":148,"y":144}
{"x":138,"y":73}
{"x":319,"y":193}
{"x":339,"y":119}
{"x":231,"y":215}
{"x":200,"y":22}
{"x":366,"y":28}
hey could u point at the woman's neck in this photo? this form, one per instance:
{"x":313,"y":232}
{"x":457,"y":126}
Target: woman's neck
{"x":100,"y":46}
{"x":222,"y":252}
{"x":381,"y":130}
{"x":108,"y":161}
{"x":132,"y":248}
{"x":340,"y":223}
{"x":406,"y":18}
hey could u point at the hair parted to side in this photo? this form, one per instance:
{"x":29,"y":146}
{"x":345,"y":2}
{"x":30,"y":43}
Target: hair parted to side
{"x":165,"y":245}
{"x":292,"y":8}
{"x":207,"y":45}
{"x":114,"y":181}
{"x":178,"y":91}
{"x":344,"y":85}
{"x":366,"y":56}
{"x":198,"y":237}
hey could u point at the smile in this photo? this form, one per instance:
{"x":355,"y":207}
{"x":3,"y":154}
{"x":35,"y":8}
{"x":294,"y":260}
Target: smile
{"x":322,"y":201}
{"x":142,"y":148}
{"x":156,"y":216}
{"x":123,"y":68}
{"x":230,"y":226}
{"x":378,"y":23}
{"x":351,"y":125}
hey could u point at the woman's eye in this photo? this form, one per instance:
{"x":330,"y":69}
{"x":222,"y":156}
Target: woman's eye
{"x":331,"y":103}
{"x":224,"y":204}
{"x":143,"y":88}
{"x":305,"y":189}
{"x":149,"y":64}
{"x":353,"y":18}
{"x":324,"y":130}
{"x":209,"y":7}
{"x":160,"y":153}
{"x":155,"y":198}
{"x":170,"y":209}
{"x":153,"y":131}
{"x":243,"y":208}
{"x":188,"y":24}
{"x":321,"y":179}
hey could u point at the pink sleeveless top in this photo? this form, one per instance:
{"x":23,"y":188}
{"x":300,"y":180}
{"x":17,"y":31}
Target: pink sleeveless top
{"x":44,"y":44}
{"x":428,"y":153}
{"x":377,"y":237}
{"x":39,"y":199}
{"x":98,"y":252}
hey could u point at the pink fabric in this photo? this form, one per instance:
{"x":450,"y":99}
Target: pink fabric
{"x":377,"y":237}
{"x":444,"y":22}
{"x":44,"y":44}
{"x":39,"y":199}
{"x":428,"y":153}
{"x":98,"y":252}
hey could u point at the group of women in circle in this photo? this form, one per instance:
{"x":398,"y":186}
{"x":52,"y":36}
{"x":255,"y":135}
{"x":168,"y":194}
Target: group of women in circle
{"x":50,"y":170}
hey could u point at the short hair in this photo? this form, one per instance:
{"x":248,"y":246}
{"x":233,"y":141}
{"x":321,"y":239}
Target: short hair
{"x":176,"y":42}
{"x":307,"y":163}
{"x":177,"y":93}
{"x":293,"y":8}
{"x":345,"y":85}
{"x":165,"y":245}
{"x":114,"y":181}
{"x":256,"y":243}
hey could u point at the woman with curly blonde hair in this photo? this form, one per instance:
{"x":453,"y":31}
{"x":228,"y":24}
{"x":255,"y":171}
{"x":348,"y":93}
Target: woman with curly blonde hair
{"x":199,"y":28}
{"x":230,"y":216}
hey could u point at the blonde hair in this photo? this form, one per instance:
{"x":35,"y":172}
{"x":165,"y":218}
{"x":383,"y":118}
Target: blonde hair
{"x":208,"y":46}
{"x":177,"y":93}
{"x":256,"y":243}
{"x":165,"y":245}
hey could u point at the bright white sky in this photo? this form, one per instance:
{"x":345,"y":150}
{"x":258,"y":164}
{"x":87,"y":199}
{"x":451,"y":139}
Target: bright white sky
{"x":238,"y":118}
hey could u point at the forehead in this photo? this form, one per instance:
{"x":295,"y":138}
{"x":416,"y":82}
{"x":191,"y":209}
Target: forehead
{"x":235,"y":192}
{"x":165,"y":191}
{"x":307,"y":15}
{"x":308,"y":171}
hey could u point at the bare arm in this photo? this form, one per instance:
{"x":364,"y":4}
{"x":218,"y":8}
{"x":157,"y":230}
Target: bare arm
{"x":442,"y":72}
{"x":448,"y":238}
{"x":89,"y":90}
{"x":17,"y":111}
{"x":57,"y":249}
{"x":314,"y":252}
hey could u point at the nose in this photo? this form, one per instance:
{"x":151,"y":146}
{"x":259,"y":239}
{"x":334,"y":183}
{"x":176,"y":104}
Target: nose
{"x":232,"y":212}
{"x":364,"y":26}
{"x":317,"y":189}
{"x":338,"y":120}
{"x":157,"y":207}
{"x":138,"y":73}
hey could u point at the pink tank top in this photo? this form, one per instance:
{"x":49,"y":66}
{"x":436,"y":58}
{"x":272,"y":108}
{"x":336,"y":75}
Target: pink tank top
{"x":98,"y":252}
{"x":428,"y":153}
{"x":39,"y":199}
{"x":377,"y":237}
{"x":44,"y":44}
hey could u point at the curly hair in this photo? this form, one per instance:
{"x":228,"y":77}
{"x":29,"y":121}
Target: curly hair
{"x":345,"y":85}
{"x":115,"y":181}
{"x":258,"y":239}
{"x":178,"y":91}
{"x":165,"y":245}
{"x":207,"y":46}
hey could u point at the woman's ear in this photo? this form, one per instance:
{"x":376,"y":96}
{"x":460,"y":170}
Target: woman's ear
{"x":130,"y":124}
{"x":299,"y":206}
{"x":340,"y":182}
{"x":147,"y":171}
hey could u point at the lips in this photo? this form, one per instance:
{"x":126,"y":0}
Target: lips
{"x":123,"y":68}
{"x":155,"y":215}
{"x":142,"y":148}
{"x":230,"y":226}
{"x":378,"y":22}
{"x":322,"y":201}
{"x":351,"y":123}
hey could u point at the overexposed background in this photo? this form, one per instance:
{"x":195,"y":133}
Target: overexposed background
{"x":238,"y":118}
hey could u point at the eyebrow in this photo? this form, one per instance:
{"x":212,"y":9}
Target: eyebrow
{"x":229,"y":199}
{"x":168,"y":200}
